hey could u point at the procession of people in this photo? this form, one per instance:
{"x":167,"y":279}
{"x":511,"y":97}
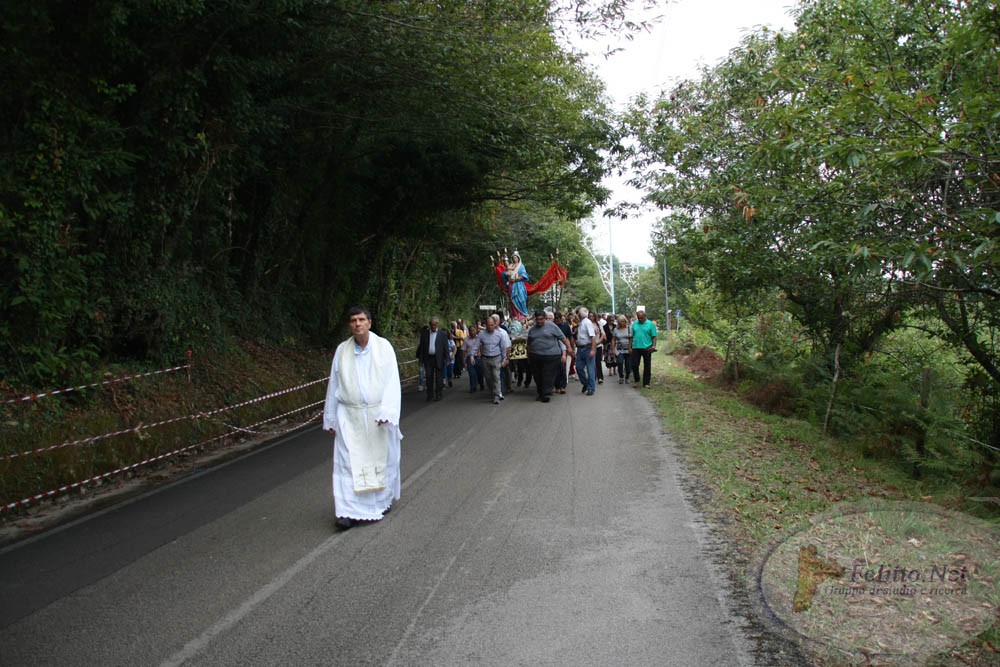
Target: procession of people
{"x":549,"y":349}
{"x":591,"y":347}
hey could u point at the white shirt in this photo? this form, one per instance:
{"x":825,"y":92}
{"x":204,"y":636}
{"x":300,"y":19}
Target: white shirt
{"x":585,"y":333}
{"x":431,"y":339}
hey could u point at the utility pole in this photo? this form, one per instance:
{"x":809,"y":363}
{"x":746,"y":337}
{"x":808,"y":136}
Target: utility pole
{"x":611,"y":261}
{"x":666,"y":296}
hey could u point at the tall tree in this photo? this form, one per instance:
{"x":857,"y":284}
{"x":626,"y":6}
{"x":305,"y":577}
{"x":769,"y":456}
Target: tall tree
{"x":174,"y":172}
{"x":850,"y":164}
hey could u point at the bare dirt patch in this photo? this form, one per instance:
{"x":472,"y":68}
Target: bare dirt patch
{"x":776,"y":397}
{"x":704,"y":362}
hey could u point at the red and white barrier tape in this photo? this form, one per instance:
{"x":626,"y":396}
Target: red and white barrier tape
{"x":144,"y":427}
{"x":247,"y":429}
{"x":69,"y":487}
{"x":35,"y":397}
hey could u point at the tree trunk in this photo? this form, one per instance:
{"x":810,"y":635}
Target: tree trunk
{"x":833,"y":388}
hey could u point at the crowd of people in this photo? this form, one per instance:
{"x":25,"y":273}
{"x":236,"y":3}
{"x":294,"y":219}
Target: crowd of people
{"x":558,"y":349}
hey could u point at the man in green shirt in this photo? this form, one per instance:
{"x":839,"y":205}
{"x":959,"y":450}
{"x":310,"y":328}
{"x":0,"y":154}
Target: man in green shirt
{"x":642,"y":346}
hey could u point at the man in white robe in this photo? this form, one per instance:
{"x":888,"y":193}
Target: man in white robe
{"x":362,"y":412}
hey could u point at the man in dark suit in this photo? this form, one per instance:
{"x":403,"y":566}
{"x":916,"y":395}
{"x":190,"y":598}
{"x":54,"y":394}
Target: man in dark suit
{"x":432,"y":352}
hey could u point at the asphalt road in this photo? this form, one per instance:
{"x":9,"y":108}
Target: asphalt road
{"x":527,"y":534}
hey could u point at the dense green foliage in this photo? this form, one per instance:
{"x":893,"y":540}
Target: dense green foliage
{"x":176,"y":172}
{"x":843,"y":181}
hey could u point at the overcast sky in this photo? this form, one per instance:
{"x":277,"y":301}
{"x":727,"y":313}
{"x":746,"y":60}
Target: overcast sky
{"x":691,"y":33}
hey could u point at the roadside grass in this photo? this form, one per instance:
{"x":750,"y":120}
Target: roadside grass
{"x":766,"y":473}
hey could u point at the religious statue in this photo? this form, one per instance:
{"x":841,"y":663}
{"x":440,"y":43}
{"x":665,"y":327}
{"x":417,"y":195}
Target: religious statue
{"x":515,"y":278}
{"x":512,"y":278}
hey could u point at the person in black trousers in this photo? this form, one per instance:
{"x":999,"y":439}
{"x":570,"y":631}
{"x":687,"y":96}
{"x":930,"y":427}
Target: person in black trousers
{"x":642,"y":347}
{"x":547,"y":347}
{"x":432,"y":353}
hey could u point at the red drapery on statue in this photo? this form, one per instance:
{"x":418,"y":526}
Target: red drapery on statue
{"x":555,"y":275}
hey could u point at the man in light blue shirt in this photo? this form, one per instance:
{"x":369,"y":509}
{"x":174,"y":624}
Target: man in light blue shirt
{"x":493,"y":349}
{"x":586,"y":352}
